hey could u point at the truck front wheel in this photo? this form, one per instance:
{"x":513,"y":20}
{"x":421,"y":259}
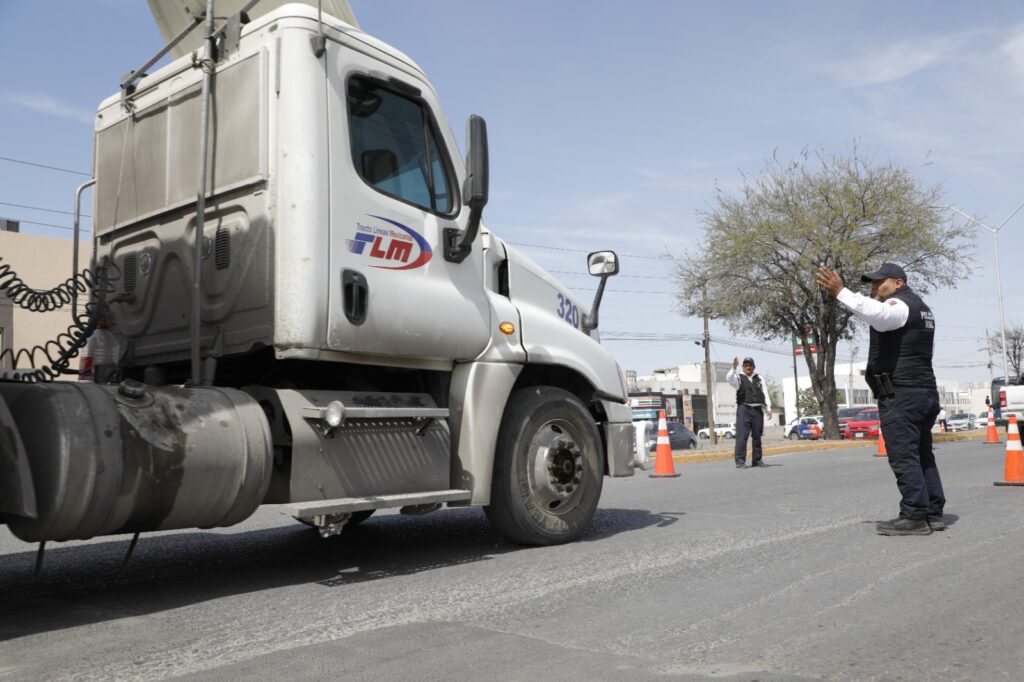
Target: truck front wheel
{"x":547,"y":468}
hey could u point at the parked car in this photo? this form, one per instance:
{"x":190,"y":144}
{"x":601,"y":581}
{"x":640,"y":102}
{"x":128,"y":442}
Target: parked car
{"x":808,"y":431}
{"x":792,"y":432}
{"x":679,"y":437}
{"x":864,"y":424}
{"x":961,"y":421}
{"x":981,"y":420}
{"x":721,"y":430}
{"x":845,"y":414}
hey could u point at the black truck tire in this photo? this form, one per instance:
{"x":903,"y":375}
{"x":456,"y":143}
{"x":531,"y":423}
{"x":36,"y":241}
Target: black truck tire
{"x":548,"y":468}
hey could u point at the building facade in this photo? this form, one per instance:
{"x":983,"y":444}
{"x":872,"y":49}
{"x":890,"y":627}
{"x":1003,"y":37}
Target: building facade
{"x":682,"y":389}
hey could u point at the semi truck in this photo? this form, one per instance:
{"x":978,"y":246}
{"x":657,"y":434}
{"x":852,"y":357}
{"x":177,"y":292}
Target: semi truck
{"x":308,"y":309}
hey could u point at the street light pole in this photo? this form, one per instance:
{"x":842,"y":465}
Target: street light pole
{"x":999,"y":282}
{"x":708,"y":371}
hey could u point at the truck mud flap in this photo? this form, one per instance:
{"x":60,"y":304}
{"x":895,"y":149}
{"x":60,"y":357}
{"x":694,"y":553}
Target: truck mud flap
{"x":618,"y":440}
{"x":17,"y":492}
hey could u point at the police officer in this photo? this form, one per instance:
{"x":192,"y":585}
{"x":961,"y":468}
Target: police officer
{"x":752,"y":404}
{"x":899,"y":372}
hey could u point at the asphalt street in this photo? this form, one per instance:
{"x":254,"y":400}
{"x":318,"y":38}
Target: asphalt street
{"x":757,"y":574}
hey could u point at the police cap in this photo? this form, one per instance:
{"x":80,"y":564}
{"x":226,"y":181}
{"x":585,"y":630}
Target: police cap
{"x":885,"y":272}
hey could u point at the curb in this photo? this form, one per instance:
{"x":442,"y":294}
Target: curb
{"x":800,"y":446}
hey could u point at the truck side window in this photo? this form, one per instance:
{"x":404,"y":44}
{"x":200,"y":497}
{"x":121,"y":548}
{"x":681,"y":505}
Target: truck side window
{"x":396,"y":148}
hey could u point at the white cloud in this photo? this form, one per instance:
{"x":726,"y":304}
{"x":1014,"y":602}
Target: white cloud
{"x":1013,"y":50}
{"x":45,"y":104}
{"x":895,"y":62}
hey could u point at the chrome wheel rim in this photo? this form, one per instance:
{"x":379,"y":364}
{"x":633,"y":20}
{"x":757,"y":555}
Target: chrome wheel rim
{"x":558,"y":469}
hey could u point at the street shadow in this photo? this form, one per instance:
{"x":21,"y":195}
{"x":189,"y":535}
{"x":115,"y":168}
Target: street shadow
{"x":85,"y":584}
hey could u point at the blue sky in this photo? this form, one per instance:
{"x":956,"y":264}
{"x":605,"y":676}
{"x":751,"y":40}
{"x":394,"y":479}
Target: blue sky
{"x":611,"y":123}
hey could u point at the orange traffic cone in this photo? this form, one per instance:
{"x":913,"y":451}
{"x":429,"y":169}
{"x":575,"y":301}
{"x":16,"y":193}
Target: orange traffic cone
{"x":663,"y":466}
{"x":942,"y":427}
{"x":882,"y":452}
{"x":992,"y":436}
{"x":1014,"y":473}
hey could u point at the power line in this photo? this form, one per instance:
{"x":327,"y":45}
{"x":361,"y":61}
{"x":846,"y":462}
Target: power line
{"x":562,"y":248}
{"x":576,"y":272}
{"x":38,"y":208}
{"x":620,"y":291}
{"x":41,"y":165}
{"x":720,"y":340}
{"x":60,"y":227}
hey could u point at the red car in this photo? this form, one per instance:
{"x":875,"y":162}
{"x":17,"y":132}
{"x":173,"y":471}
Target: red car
{"x":862,"y":426}
{"x":848,"y":413}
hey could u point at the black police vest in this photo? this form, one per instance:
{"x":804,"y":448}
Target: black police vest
{"x":749,"y":393}
{"x":905,"y":354}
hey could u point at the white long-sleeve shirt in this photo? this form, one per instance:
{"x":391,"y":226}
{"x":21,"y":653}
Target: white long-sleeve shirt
{"x":732,"y":377}
{"x":883,"y":316}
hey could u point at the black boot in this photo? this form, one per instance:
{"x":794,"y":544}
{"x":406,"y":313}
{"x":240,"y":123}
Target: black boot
{"x":903,"y":526}
{"x":936,"y":523}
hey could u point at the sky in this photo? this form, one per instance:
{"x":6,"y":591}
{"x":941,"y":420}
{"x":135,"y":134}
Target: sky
{"x":611,"y":124}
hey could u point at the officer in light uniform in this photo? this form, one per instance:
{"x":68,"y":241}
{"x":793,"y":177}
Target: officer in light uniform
{"x":900,"y":374}
{"x":752,"y":404}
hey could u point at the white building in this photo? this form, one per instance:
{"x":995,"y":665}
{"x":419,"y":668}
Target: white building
{"x":689,"y":379}
{"x":850,"y":384}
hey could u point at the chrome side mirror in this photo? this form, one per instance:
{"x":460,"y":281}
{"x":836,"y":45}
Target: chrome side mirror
{"x":603,"y":264}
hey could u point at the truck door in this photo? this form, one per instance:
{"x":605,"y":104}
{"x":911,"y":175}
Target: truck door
{"x":395,"y":180}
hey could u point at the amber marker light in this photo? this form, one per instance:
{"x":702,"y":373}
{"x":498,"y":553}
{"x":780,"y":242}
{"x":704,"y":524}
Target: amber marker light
{"x":507,"y":328}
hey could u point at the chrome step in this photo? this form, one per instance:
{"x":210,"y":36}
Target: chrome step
{"x":347,"y":412}
{"x":306,"y":510}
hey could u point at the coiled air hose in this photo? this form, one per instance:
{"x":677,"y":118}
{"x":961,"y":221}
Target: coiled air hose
{"x":47,"y":361}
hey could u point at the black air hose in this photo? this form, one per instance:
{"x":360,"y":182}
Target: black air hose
{"x":47,"y":361}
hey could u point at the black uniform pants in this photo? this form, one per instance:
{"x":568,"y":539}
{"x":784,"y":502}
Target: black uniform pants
{"x":749,"y":423}
{"x":906,"y":419}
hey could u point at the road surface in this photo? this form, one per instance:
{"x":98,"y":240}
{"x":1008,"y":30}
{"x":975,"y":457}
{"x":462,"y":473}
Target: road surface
{"x":757,"y":574}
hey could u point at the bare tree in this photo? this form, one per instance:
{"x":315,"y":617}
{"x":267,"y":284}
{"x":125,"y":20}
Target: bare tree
{"x":1014,"y":347}
{"x":763,"y":245}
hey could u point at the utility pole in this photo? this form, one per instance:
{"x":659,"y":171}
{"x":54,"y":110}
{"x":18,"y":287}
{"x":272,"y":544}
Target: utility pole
{"x":796,"y":387}
{"x":849,"y":381}
{"x":988,"y":347}
{"x":999,"y":285}
{"x":707,"y":372}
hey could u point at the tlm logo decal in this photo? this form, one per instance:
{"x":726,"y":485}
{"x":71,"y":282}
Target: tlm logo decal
{"x":394,"y":249}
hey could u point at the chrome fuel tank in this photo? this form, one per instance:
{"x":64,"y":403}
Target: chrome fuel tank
{"x":132,"y":458}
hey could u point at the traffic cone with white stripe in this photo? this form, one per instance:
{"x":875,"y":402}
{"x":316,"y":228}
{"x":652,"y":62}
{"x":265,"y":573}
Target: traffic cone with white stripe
{"x":663,"y":466}
{"x":1014,"y":472}
{"x":992,"y":436}
{"x":882,"y":452}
